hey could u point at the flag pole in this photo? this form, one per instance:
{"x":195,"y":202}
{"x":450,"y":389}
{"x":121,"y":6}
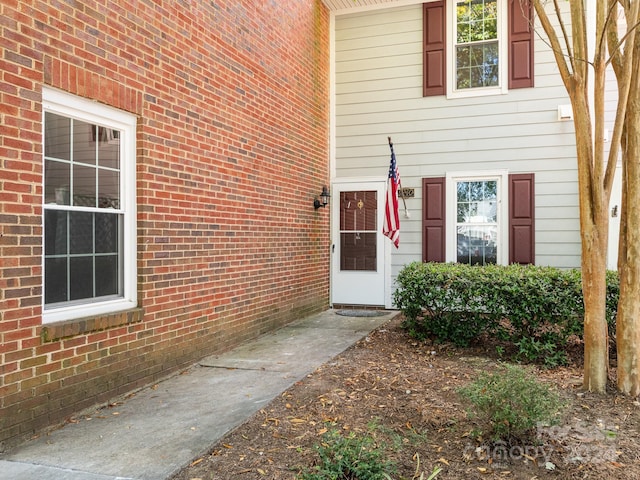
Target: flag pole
{"x":406,"y":212}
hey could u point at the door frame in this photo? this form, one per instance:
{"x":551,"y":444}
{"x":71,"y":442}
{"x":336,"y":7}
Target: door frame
{"x":360,"y":183}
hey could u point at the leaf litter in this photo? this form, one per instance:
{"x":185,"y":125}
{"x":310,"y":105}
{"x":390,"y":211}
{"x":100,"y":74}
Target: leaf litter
{"x":403,"y":392}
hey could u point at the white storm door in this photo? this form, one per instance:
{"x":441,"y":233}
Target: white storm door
{"x":358,"y":256}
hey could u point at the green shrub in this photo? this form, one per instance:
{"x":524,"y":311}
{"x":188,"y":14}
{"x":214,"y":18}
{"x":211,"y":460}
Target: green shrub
{"x":350,"y":457}
{"x":535,"y":308}
{"x":511,"y":402}
{"x":613,"y":295}
{"x":544,"y":349}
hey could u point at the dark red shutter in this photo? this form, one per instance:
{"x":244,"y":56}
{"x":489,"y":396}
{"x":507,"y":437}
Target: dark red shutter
{"x":433,"y":219}
{"x":434,"y":61}
{"x":521,"y":218}
{"x":520,"y":44}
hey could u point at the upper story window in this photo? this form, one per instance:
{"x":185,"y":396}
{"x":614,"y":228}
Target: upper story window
{"x":477,"y":52}
{"x":89,"y":208}
{"x":477,"y":47}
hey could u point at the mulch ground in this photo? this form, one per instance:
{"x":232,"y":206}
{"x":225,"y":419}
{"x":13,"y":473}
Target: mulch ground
{"x":403,"y":393}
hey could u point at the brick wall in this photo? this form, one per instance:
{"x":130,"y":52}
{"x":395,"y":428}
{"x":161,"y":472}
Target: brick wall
{"x":232,"y":147}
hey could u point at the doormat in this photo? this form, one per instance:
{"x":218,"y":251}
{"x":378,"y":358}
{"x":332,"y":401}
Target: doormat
{"x":361,"y":313}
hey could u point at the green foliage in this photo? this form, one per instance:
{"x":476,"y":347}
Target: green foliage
{"x":512,"y":402}
{"x":535,"y":308}
{"x":544,"y":350}
{"x":613,"y":295}
{"x":476,"y":21}
{"x":350,"y":457}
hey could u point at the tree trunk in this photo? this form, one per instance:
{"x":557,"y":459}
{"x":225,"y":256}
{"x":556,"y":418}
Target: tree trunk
{"x":595,"y":176}
{"x":594,"y":225}
{"x":596,"y":342}
{"x":628,"y":318}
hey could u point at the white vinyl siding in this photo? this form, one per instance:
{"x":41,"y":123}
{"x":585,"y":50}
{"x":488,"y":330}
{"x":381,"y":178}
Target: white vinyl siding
{"x":378,"y":93}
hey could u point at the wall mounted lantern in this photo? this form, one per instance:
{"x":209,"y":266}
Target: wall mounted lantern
{"x":323,"y":200}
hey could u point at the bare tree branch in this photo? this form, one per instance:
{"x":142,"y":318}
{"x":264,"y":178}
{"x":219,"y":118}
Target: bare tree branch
{"x":598,"y":98}
{"x":565,"y":34}
{"x":624,"y":76}
{"x":613,"y":40}
{"x":579,"y":39}
{"x":565,"y":73}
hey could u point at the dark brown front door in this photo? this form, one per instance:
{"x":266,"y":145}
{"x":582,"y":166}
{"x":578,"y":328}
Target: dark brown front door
{"x":358,"y":229}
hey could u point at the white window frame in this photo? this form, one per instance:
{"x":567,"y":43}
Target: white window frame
{"x":65,"y":104}
{"x":502,"y":177}
{"x":503,"y":49}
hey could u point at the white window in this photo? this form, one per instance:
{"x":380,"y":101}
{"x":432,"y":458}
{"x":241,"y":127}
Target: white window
{"x":89,"y":208}
{"x":476,"y":212}
{"x":478,"y":59}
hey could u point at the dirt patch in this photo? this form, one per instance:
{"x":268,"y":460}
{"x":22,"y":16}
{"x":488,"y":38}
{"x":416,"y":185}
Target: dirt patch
{"x":403,"y":393}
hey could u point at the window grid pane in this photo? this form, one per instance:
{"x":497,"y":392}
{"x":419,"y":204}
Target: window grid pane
{"x":82,"y":250}
{"x":476,"y":51}
{"x":81,"y":277}
{"x":477,"y":222}
{"x":83,"y":224}
{"x":55,"y":280}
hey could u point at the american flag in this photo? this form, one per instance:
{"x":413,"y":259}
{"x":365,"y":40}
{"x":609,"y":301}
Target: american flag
{"x":391,"y":227}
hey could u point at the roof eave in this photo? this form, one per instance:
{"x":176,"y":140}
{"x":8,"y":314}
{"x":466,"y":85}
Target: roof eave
{"x":352,"y":6}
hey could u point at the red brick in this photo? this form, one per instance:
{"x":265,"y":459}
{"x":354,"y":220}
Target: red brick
{"x":17,"y":376}
{"x":228,"y":157}
{"x":18,"y":355}
{"x":33,"y":362}
{"x":42,"y":370}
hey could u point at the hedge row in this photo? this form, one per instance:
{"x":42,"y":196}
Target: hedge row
{"x":537,"y":309}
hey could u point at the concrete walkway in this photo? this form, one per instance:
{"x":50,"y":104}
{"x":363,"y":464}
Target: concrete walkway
{"x":159,"y":430}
